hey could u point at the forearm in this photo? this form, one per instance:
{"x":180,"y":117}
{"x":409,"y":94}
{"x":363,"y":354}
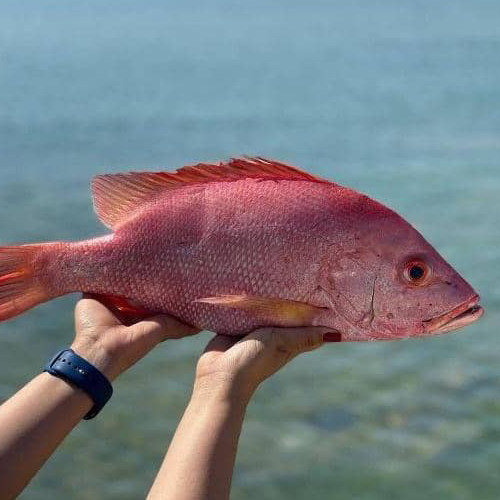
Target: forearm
{"x":200,"y":460}
{"x":32,"y":424}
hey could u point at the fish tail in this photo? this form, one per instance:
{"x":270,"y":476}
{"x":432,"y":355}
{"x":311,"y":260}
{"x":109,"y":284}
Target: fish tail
{"x":21,"y":283}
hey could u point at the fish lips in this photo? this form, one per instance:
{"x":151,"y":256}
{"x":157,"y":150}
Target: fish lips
{"x":462,"y":315}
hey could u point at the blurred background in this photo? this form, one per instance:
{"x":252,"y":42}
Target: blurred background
{"x":398,"y":99}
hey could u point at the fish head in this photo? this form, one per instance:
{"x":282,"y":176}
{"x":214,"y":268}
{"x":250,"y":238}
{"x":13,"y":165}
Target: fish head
{"x":416,"y":291}
{"x":390,"y":283}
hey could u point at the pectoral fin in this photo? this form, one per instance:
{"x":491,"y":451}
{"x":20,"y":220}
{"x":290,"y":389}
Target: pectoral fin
{"x":276,"y":312}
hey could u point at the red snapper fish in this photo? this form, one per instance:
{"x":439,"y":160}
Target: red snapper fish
{"x":244,"y":244}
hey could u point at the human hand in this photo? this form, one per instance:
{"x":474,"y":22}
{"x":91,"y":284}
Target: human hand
{"x":104,"y":339}
{"x":228,"y":372}
{"x":236,"y":366}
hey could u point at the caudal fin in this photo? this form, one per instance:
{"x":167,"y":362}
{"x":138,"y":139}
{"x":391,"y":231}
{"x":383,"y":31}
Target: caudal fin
{"x":20,"y":288}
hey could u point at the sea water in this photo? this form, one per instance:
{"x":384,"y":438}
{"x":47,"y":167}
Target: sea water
{"x":398,"y":99}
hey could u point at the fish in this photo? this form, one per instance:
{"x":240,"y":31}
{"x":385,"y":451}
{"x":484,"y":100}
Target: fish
{"x":243,"y":244}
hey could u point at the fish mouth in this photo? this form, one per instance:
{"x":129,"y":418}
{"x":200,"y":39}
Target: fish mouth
{"x":463,"y":315}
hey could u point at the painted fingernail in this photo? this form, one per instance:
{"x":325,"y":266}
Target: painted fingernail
{"x":332,"y":337}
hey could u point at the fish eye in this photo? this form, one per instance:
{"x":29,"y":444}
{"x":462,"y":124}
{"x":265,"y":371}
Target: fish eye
{"x":417,"y":273}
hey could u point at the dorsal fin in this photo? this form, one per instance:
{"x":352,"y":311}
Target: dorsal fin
{"x":117,"y":196}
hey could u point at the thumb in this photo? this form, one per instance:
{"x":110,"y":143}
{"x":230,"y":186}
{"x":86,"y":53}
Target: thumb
{"x":162,"y":327}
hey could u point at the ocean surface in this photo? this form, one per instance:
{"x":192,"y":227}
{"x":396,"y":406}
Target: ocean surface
{"x":399,"y":99}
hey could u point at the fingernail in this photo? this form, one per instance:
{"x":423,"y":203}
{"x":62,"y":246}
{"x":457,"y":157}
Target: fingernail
{"x":332,"y":337}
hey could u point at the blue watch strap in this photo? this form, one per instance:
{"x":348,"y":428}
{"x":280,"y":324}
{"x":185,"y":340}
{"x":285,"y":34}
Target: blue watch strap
{"x":67,"y":365}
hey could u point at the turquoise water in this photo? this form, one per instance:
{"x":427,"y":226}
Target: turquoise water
{"x":399,"y":99}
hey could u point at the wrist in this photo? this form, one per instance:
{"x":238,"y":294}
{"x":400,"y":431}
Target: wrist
{"x":223,"y":387}
{"x":77,"y":371}
{"x":99,"y":357}
{"x":63,"y":389}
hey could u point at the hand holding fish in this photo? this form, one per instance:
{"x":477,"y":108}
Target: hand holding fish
{"x":106,"y":338}
{"x":43,"y":412}
{"x":200,"y":460}
{"x":237,"y":367}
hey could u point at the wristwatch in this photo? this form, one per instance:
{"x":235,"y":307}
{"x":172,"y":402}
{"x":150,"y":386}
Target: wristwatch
{"x":66,"y":364}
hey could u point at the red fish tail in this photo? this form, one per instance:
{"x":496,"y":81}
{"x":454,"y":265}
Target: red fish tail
{"x":20,"y":285}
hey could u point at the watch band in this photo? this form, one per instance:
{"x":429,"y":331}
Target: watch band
{"x":67,"y":365}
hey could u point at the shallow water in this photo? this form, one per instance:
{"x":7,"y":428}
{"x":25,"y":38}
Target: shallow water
{"x":398,"y":99}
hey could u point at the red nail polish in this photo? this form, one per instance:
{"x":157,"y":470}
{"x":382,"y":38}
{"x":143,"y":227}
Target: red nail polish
{"x":332,"y":337}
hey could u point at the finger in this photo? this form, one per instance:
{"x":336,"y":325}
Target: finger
{"x":123,"y":309}
{"x":221,"y":343}
{"x":90,"y":311}
{"x":294,"y":340}
{"x":162,"y":327}
{"x":217,"y":346}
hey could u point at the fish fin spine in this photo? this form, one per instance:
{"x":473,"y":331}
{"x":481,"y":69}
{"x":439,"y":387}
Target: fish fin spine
{"x":20,"y":286}
{"x":117,"y":196}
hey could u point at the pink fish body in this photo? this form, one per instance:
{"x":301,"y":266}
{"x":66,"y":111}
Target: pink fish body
{"x":244,"y":244}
